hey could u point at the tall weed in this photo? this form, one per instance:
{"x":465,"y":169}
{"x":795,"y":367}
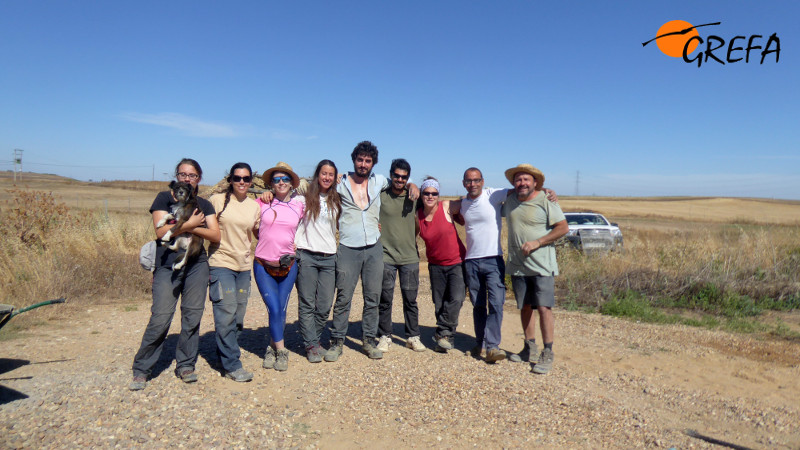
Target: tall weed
{"x":733,"y":270}
{"x":49,"y":251}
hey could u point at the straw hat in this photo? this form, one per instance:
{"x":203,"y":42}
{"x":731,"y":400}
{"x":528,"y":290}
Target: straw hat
{"x":529,"y":169}
{"x":281,"y":167}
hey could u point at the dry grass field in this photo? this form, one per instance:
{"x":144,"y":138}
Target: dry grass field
{"x":715,"y":261}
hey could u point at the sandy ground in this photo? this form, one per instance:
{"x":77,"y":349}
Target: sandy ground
{"x":615,"y":384}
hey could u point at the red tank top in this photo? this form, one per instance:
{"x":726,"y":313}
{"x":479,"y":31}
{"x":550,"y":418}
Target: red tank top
{"x":443,"y":247}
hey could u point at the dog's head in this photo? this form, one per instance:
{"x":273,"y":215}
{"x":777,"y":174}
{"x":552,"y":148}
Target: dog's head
{"x":181,"y":191}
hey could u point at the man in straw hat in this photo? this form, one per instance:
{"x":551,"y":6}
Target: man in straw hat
{"x":483,"y":264}
{"x":534,"y":224}
{"x":360,"y":251}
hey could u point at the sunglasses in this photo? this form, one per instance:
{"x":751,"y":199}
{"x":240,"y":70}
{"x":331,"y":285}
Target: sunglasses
{"x":430,"y":194}
{"x":399,"y":177}
{"x":237,"y":178}
{"x":286,"y":179}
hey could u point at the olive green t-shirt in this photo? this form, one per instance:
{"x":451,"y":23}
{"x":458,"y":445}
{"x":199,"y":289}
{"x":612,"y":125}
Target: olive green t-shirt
{"x":398,"y":219}
{"x":528,"y":221}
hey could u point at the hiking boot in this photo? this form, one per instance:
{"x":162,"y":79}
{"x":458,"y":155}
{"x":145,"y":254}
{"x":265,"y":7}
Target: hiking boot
{"x":415,"y":344}
{"x":529,"y":353}
{"x":282,"y":360}
{"x":313,"y":353}
{"x":239,"y":375}
{"x":139,"y":382}
{"x":476,"y":352}
{"x":333,"y":353}
{"x":545,"y":362}
{"x":495,"y":354}
{"x":443,"y":343}
{"x":269,"y":358}
{"x":384,"y":343}
{"x":370,"y":349}
{"x":186,"y":374}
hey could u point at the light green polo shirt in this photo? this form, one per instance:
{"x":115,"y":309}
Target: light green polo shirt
{"x":528,"y":221}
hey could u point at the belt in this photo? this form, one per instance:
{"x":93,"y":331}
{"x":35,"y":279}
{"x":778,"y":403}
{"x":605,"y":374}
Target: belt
{"x":264,"y":263}
{"x":317,"y":253}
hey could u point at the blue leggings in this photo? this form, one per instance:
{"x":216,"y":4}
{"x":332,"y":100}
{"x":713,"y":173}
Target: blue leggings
{"x":275,"y":293}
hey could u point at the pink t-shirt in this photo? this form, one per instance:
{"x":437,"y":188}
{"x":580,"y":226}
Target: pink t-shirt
{"x":279,"y":222}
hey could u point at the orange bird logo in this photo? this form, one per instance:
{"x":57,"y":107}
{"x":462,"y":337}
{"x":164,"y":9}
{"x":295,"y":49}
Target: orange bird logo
{"x":672,"y":37}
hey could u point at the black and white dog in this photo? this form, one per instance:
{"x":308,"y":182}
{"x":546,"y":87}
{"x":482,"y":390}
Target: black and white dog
{"x":191,"y":244}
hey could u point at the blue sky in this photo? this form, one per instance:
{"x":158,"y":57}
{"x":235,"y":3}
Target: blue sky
{"x":120,"y":90}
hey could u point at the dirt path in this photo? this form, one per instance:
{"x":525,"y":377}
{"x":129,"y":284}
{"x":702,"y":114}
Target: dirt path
{"x":614,"y":384}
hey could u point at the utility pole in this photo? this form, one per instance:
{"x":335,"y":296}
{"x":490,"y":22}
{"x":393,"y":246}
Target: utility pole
{"x":577,"y":183}
{"x":17,"y":162}
{"x":154,"y":172}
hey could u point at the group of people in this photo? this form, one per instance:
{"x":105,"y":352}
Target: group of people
{"x":377,"y":221}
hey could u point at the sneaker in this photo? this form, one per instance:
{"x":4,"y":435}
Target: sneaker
{"x":384,"y":343}
{"x":239,"y":375}
{"x":415,"y":344}
{"x":495,"y":354}
{"x":545,"y":362}
{"x":269,"y":358}
{"x":186,"y":374}
{"x":476,"y":352}
{"x":333,"y":353}
{"x":139,"y":382}
{"x":282,"y":360}
{"x":313,"y":353}
{"x":443,"y":343}
{"x":371,"y":351}
{"x":529,"y":352}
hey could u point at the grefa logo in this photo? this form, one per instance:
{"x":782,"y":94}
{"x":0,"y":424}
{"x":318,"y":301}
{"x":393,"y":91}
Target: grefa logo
{"x":679,"y":38}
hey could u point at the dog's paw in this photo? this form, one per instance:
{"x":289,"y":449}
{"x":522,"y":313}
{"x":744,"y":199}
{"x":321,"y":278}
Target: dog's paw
{"x":167,"y":236}
{"x":164,"y":220}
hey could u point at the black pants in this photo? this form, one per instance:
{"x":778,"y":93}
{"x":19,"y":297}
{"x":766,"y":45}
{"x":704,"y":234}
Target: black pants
{"x":409,"y":285}
{"x":448,"y":291}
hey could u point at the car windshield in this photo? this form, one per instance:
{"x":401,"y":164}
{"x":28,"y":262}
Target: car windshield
{"x":585,"y":219}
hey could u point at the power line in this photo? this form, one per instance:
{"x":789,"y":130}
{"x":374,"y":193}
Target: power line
{"x":88,"y":167}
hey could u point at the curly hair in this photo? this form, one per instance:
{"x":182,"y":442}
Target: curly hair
{"x":365,"y":148}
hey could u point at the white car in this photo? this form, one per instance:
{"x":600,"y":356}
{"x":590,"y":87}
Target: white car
{"x":590,"y":231}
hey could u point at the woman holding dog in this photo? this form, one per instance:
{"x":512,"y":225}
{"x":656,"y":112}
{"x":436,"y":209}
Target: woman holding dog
{"x":274,"y":268}
{"x":190,"y":282}
{"x":231,"y":260}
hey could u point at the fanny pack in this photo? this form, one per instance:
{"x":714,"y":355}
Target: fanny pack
{"x":286,"y":262}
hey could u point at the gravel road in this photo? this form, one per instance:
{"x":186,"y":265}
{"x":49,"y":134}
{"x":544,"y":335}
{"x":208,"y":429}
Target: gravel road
{"x":614,"y":384}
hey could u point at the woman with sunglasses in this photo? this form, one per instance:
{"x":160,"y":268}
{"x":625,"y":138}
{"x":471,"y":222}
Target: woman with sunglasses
{"x":190,"y":282}
{"x":231,"y":261}
{"x":445,"y":253}
{"x":274,"y":268}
